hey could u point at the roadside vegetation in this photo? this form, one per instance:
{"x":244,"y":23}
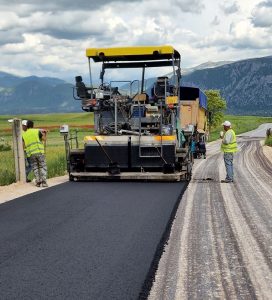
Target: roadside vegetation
{"x":82,"y":124}
{"x":268,"y":141}
{"x":240,"y":124}
{"x":216,"y":107}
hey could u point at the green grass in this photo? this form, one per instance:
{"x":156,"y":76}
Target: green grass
{"x":5,"y":147}
{"x":7,"y":173}
{"x":268,"y":141}
{"x":83,"y":118}
{"x":52,"y":122}
{"x":240,"y":124}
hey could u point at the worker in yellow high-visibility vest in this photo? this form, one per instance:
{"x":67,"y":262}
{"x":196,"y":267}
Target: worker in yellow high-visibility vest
{"x":33,"y":144}
{"x":229,"y":147}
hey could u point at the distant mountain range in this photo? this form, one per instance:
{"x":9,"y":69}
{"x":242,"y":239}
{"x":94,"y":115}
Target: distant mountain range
{"x":30,"y":95}
{"x":246,"y":85}
{"x":206,"y":65}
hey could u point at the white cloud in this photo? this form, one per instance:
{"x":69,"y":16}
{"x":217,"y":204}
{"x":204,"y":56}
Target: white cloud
{"x":49,"y":38}
{"x":215,"y":21}
{"x":246,"y":36}
{"x":229,"y":8}
{"x":192,"y":6}
{"x":60,"y":5}
{"x":262,"y":14}
{"x":242,"y":35}
{"x":7,"y":20}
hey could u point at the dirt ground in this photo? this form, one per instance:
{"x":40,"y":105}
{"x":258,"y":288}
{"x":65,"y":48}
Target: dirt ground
{"x":220,"y":245}
{"x":268,"y":152}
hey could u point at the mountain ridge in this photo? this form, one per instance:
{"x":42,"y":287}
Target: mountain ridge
{"x":245,"y":84}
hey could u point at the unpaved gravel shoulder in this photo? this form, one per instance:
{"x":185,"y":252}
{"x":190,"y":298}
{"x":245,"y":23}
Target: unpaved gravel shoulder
{"x":18,"y":189}
{"x":220,"y":242}
{"x":268,"y":152}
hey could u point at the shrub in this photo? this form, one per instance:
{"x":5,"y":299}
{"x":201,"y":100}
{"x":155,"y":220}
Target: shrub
{"x":5,"y":147}
{"x":268,"y":141}
{"x":7,"y":177}
{"x":7,"y":173}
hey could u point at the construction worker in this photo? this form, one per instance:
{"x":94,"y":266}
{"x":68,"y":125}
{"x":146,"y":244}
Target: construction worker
{"x":34,"y":148}
{"x":228,"y":146}
{"x":193,"y":147}
{"x":27,"y":159}
{"x":201,"y":148}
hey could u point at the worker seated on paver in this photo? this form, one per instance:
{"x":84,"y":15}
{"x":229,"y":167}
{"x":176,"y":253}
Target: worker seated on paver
{"x":82,"y":90}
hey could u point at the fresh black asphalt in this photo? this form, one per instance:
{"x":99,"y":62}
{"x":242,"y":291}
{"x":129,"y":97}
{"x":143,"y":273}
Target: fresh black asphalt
{"x":83,"y":240}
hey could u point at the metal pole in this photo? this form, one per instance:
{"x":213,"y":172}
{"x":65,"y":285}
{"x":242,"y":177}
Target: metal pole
{"x":90,"y":73}
{"x":143,"y":76}
{"x":115,"y":115}
{"x":76,"y":139}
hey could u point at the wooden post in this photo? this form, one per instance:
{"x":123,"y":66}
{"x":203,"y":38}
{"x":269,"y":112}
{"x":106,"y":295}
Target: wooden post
{"x":19,"y":157}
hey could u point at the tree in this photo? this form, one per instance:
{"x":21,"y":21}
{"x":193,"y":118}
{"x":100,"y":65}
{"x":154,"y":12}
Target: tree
{"x":216,"y":106}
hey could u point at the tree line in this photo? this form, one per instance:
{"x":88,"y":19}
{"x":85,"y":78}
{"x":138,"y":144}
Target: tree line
{"x":216,"y":107}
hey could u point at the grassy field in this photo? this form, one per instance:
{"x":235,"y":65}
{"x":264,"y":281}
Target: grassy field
{"x":240,"y":124}
{"x":50,"y":121}
{"x":83,"y":124}
{"x":55,"y":151}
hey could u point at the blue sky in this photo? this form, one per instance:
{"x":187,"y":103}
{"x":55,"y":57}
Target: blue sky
{"x":47,"y":38}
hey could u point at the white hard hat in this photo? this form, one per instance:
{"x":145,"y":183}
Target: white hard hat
{"x":24,"y":122}
{"x":226,"y":123}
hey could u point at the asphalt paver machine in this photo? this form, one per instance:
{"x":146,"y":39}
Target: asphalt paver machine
{"x":137,"y":134}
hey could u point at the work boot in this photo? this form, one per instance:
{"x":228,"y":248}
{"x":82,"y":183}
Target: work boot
{"x":226,"y":181}
{"x":38,"y":184}
{"x":44,"y":184}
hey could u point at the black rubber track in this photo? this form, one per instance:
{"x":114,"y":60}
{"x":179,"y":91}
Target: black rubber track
{"x":85,"y":240}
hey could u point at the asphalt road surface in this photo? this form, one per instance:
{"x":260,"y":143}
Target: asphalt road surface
{"x":82,"y":240}
{"x":220,"y":245}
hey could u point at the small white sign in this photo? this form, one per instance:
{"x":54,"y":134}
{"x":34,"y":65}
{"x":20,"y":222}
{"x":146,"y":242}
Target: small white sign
{"x":64,"y":128}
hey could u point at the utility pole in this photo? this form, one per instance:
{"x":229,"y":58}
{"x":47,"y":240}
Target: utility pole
{"x":19,"y":157}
